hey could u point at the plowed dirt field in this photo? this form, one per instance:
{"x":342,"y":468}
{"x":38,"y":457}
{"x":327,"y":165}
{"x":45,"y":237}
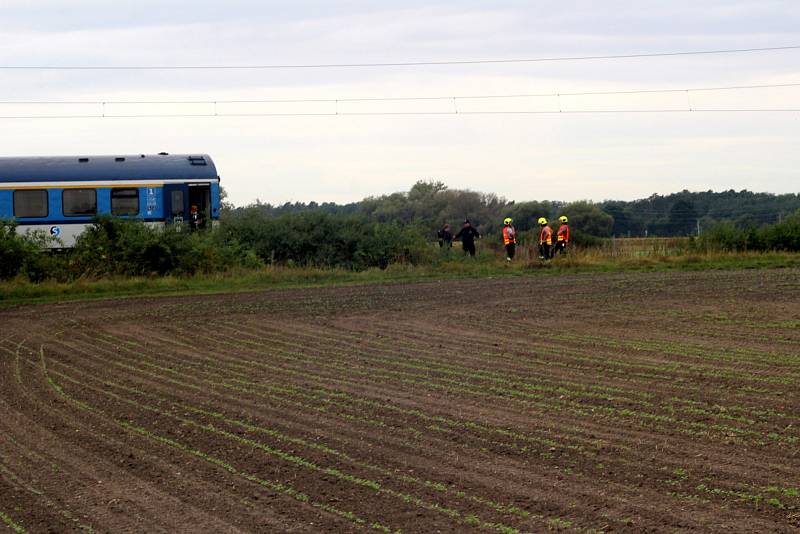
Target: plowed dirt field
{"x":650,"y":402}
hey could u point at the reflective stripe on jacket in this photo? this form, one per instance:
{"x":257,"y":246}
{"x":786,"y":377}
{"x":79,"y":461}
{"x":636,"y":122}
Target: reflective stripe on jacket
{"x":509,"y":236}
{"x":546,"y":236}
{"x":563,"y":233}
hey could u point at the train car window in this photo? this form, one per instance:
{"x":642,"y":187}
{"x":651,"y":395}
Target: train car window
{"x":177,"y":203}
{"x":125,"y":201}
{"x":79,"y":202}
{"x":30,"y":203}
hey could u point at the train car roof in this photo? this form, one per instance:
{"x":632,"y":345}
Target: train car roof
{"x":105,"y":168}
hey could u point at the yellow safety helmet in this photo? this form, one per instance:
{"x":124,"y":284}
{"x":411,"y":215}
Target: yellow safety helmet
{"x":542,"y":221}
{"x":507,"y":220}
{"x":563,"y":219}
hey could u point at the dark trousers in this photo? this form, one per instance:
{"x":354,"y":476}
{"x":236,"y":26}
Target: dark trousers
{"x":469,"y":248}
{"x":561,"y":247}
{"x":511,"y":249}
{"x":545,"y":251}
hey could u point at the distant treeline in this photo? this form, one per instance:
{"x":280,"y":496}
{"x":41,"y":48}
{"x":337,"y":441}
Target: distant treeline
{"x":683,"y":213}
{"x":430,"y":204}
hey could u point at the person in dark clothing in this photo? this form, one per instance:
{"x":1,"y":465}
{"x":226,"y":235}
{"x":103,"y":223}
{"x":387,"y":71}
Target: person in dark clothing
{"x":445,"y":237}
{"x":468,"y":234}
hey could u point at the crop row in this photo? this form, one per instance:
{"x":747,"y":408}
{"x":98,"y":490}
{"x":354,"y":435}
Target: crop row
{"x":700,"y":412}
{"x":672,"y":369}
{"x":10,"y":523}
{"x":55,"y":386}
{"x":274,"y":452}
{"x":40,"y":495}
{"x":758,"y":359}
{"x":240,"y":371}
{"x":538,"y":373}
{"x":73,"y":426}
{"x":429,"y":484}
{"x":536,"y":354}
{"x":275,"y":486}
{"x":26,"y":458}
{"x":505,"y":389}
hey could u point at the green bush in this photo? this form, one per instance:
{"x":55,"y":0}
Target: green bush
{"x":25,"y":254}
{"x":581,"y":238}
{"x":119,"y":247}
{"x":782,"y":236}
{"x":322,"y":239}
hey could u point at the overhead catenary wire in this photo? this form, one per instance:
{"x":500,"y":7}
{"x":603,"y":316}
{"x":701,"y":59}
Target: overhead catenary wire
{"x":455,"y":110}
{"x":727,"y":88}
{"x":403,"y":63}
{"x":401,"y":113}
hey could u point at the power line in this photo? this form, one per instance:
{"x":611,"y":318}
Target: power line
{"x":405,"y":98}
{"x":400,"y":113}
{"x":398,"y":64}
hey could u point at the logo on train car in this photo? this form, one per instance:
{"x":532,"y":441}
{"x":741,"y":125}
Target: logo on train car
{"x":55,"y":231}
{"x":151,"y":201}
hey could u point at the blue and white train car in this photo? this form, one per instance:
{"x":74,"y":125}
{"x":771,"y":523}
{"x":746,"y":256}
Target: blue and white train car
{"x":63,"y":195}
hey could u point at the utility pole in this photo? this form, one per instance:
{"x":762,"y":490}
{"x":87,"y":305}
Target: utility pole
{"x":698,"y":227}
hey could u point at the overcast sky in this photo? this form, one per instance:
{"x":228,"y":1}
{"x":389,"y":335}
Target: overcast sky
{"x":345,"y":158}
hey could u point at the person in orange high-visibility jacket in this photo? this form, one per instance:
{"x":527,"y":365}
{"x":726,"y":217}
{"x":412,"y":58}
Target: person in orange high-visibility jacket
{"x":509,"y":238}
{"x":562,"y":236}
{"x":545,"y":240}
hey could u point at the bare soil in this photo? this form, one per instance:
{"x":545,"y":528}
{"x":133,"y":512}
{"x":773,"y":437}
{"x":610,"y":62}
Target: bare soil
{"x":648,"y":402}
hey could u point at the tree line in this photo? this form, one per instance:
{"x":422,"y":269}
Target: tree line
{"x":431,"y":203}
{"x":692,"y":213}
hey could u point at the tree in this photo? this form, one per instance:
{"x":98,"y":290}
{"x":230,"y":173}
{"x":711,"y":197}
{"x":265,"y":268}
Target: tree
{"x":425,"y":189}
{"x":525,"y":214}
{"x":682,"y":219}
{"x":589,"y":218}
{"x":224,"y":205}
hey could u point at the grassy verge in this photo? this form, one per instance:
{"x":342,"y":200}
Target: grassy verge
{"x":21,"y":291}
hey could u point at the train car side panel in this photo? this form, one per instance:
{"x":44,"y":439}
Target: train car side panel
{"x":215,"y":201}
{"x":6,"y":209}
{"x":64,"y":235}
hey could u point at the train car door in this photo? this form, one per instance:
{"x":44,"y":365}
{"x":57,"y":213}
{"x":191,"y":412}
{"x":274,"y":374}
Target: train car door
{"x":176,"y":203}
{"x":199,"y":205}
